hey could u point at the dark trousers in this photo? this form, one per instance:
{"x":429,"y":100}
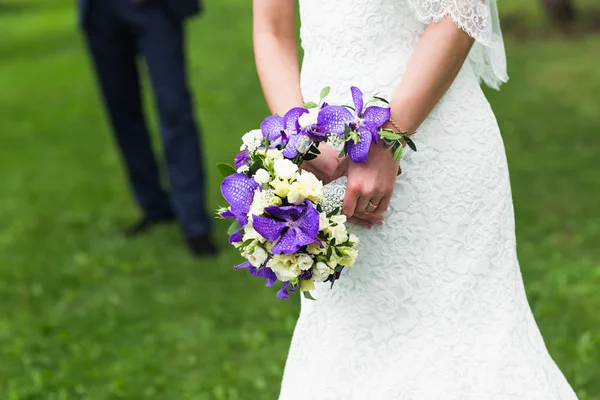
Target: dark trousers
{"x":117,"y":32}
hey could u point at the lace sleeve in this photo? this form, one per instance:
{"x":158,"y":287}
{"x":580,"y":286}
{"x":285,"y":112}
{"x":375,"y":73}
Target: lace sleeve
{"x":479,"y":18}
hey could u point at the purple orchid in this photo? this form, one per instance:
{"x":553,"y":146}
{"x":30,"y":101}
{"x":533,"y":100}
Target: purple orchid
{"x":314,"y":133}
{"x":238,"y":190}
{"x":242,"y":158}
{"x":292,"y":226}
{"x":279,"y":129}
{"x":262,"y":272}
{"x":268,"y":274}
{"x":366,"y":123}
{"x":283,"y":292}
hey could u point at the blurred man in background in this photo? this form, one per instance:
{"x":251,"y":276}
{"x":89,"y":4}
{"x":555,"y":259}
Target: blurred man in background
{"x":117,"y":31}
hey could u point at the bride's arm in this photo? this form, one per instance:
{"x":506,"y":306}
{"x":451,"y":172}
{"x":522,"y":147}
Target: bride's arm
{"x":277,"y":64}
{"x":438,"y":58}
{"x":275,"y":54}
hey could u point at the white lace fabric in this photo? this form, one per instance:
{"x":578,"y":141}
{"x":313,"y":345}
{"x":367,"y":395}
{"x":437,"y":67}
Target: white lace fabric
{"x":479,"y":18}
{"x":435,"y":307}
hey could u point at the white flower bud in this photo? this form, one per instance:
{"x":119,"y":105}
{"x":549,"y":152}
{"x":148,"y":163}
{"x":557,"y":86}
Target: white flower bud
{"x":321,"y":271}
{"x":285,"y":169}
{"x":258,"y":257}
{"x":305,"y":261}
{"x":262,"y":176}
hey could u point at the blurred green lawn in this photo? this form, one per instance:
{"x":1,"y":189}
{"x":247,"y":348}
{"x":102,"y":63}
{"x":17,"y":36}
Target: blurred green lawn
{"x":85,"y":314}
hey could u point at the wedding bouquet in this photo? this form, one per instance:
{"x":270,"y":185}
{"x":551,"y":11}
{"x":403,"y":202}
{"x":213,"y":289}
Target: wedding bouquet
{"x":287,"y":224}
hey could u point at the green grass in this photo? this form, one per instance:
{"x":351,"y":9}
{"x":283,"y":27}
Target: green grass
{"x":85,"y":314}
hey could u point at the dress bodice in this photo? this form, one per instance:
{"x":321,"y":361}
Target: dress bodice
{"x":370,"y":42}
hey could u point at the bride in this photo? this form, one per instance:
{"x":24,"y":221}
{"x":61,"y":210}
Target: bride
{"x":435,"y":308}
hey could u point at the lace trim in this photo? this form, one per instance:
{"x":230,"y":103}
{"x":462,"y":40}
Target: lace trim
{"x":479,"y":19}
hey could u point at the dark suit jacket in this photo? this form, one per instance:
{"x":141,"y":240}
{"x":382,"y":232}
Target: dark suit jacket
{"x":179,"y":9}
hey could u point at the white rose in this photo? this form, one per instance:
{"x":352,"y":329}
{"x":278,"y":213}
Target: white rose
{"x":323,"y":221}
{"x":313,"y":187}
{"x":353,"y":239}
{"x":333,"y":261}
{"x":309,"y":118}
{"x":258,"y":256}
{"x":262,"y":176}
{"x":281,"y":187}
{"x":316,"y":249}
{"x":337,"y":232}
{"x":250,"y":233}
{"x":321,"y":271}
{"x":263,"y":199}
{"x":243,"y":169}
{"x":274,"y":154}
{"x":284,"y":266}
{"x":303,"y":144}
{"x":338,"y":219}
{"x":349,"y":255}
{"x":258,"y":205}
{"x":305,"y":261}
{"x":253,"y":139}
{"x":296,"y":195}
{"x":269,"y":244}
{"x":285,"y":169}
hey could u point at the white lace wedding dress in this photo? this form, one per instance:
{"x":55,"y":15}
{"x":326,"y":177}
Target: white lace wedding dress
{"x":435,"y":308}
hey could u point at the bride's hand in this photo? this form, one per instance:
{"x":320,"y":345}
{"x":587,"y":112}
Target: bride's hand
{"x":370,"y":184}
{"x":324,"y":166}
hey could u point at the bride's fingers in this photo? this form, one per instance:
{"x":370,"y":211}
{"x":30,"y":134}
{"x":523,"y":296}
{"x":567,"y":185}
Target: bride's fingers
{"x":383,"y":205}
{"x":373,"y":204}
{"x":371,"y":217}
{"x":362,"y":204}
{"x":361,"y":222}
{"x":350,"y":200}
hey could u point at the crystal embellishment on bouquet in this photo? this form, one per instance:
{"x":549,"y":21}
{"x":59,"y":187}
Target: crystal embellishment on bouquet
{"x":286,"y":223}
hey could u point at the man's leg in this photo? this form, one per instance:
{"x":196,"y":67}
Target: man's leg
{"x":113,"y":47}
{"x":160,"y":40}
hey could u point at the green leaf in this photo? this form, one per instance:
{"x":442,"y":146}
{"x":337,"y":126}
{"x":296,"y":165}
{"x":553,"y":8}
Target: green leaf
{"x":389,"y":135}
{"x":310,"y":104}
{"x":258,"y":164}
{"x":308,"y":296}
{"x":332,"y":243}
{"x":333,"y":279}
{"x":334,"y":212}
{"x":324,"y":92}
{"x":338,"y":252}
{"x":233,"y":228}
{"x":354,"y":136}
{"x":398,"y":153}
{"x":314,"y":149}
{"x":350,"y":107}
{"x":410,"y":143}
{"x":226,"y":169}
{"x":329,"y":252}
{"x":309,"y":157}
{"x":342,"y":153}
{"x":381,"y":99}
{"x":339,"y":268}
{"x":347,"y":129}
